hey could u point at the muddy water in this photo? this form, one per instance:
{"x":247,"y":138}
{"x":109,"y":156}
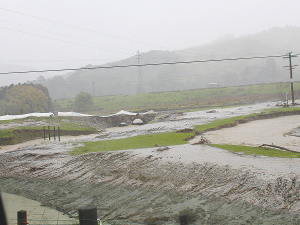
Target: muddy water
{"x":120,"y":205}
{"x":130,"y":187}
{"x":36,"y":214}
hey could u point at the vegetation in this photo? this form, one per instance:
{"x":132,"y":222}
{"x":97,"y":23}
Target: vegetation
{"x":259,"y":151}
{"x":26,"y":133}
{"x":120,"y":81}
{"x":223,"y":122}
{"x":183,"y":100}
{"x":143,"y":141}
{"x":83,"y":102}
{"x":172,"y":138}
{"x":24,"y":98}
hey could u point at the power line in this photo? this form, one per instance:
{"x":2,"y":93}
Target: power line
{"x":93,"y":31}
{"x":56,"y":39}
{"x":81,"y":28}
{"x":61,"y":35}
{"x":149,"y":64}
{"x":74,"y":38}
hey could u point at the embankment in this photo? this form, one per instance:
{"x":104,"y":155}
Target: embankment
{"x":128,"y":186}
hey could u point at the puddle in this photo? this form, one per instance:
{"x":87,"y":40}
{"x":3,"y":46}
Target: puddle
{"x":36,"y":214}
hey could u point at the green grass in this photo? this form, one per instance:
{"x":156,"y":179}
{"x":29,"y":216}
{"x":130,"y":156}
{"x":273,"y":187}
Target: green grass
{"x":259,"y":151}
{"x":189,"y":99}
{"x":25,"y":133}
{"x":142,"y":141}
{"x":286,"y":109}
{"x":222,"y":122}
{"x":170,"y":138}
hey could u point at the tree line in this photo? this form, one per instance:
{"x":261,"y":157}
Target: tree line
{"x":24,"y":98}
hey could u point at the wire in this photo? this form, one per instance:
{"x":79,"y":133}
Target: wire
{"x":62,"y":40}
{"x":149,"y":64}
{"x":129,"y":50}
{"x":62,"y":35}
{"x":81,"y":28}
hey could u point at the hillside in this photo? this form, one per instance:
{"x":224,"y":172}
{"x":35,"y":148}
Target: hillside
{"x":116,"y":81}
{"x":190,"y":99}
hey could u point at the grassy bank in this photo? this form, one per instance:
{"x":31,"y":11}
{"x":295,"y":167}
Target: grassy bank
{"x":258,"y":151}
{"x":233,"y":121}
{"x":200,"y":98}
{"x":174,"y":138}
{"x":142,"y":141}
{"x":26,"y":133}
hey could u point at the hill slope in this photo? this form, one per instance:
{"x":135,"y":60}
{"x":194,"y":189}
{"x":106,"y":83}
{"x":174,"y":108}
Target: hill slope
{"x":115,"y":81}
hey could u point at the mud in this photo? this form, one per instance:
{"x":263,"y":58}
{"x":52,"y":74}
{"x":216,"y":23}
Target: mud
{"x":132,"y":186}
{"x":136,"y":185}
{"x":280,"y":131}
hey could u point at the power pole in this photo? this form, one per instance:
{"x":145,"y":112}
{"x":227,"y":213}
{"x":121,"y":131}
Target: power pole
{"x":291,"y":67}
{"x":140,"y":78}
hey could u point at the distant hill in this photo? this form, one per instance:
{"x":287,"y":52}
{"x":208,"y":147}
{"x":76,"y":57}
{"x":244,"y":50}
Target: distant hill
{"x":114,"y":81}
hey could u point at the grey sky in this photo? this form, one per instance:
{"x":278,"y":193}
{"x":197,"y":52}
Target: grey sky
{"x":122,"y":27}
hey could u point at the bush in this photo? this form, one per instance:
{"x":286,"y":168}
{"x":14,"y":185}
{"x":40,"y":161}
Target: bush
{"x":83,"y":102}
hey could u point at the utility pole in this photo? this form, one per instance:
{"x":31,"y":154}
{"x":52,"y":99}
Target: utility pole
{"x":140,"y":78}
{"x":291,"y":67}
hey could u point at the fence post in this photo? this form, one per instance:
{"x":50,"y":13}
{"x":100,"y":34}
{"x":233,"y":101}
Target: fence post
{"x":58,"y":134}
{"x":44,"y":133}
{"x":54,"y":133}
{"x":88,"y":215}
{"x":2,"y":213}
{"x":22,"y":217}
{"x":183,"y":219}
{"x":49,"y":132}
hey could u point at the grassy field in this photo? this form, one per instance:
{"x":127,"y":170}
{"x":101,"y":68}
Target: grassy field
{"x":200,"y":98}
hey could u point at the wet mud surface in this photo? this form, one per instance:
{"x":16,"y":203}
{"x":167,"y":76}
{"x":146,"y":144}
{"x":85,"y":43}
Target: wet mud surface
{"x":132,"y":186}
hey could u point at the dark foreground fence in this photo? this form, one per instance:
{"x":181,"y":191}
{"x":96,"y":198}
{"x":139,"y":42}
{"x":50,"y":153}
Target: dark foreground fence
{"x":54,"y":133}
{"x":87,"y":216}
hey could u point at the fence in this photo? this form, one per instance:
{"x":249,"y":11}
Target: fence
{"x":87,"y":216}
{"x":49,"y":133}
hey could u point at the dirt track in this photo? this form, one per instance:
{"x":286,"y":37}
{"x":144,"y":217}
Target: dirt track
{"x":221,"y":187}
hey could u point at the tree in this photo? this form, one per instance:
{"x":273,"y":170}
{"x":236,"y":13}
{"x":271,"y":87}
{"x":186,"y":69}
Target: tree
{"x":23,"y":99}
{"x":83,"y":102}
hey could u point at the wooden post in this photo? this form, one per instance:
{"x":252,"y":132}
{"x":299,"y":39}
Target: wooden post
{"x":2,"y":213}
{"x":44,"y":133}
{"x":58,"y":134}
{"x":49,"y":132}
{"x":54,"y":133}
{"x":88,"y":215}
{"x":22,"y":217}
{"x":183,"y":219}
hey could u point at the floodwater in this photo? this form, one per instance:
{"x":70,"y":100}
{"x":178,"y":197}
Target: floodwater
{"x":36,"y":214}
{"x":139,"y":182}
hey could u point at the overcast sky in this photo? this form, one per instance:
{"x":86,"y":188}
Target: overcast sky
{"x":53,"y":34}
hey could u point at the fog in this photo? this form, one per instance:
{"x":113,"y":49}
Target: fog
{"x":70,"y":34}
